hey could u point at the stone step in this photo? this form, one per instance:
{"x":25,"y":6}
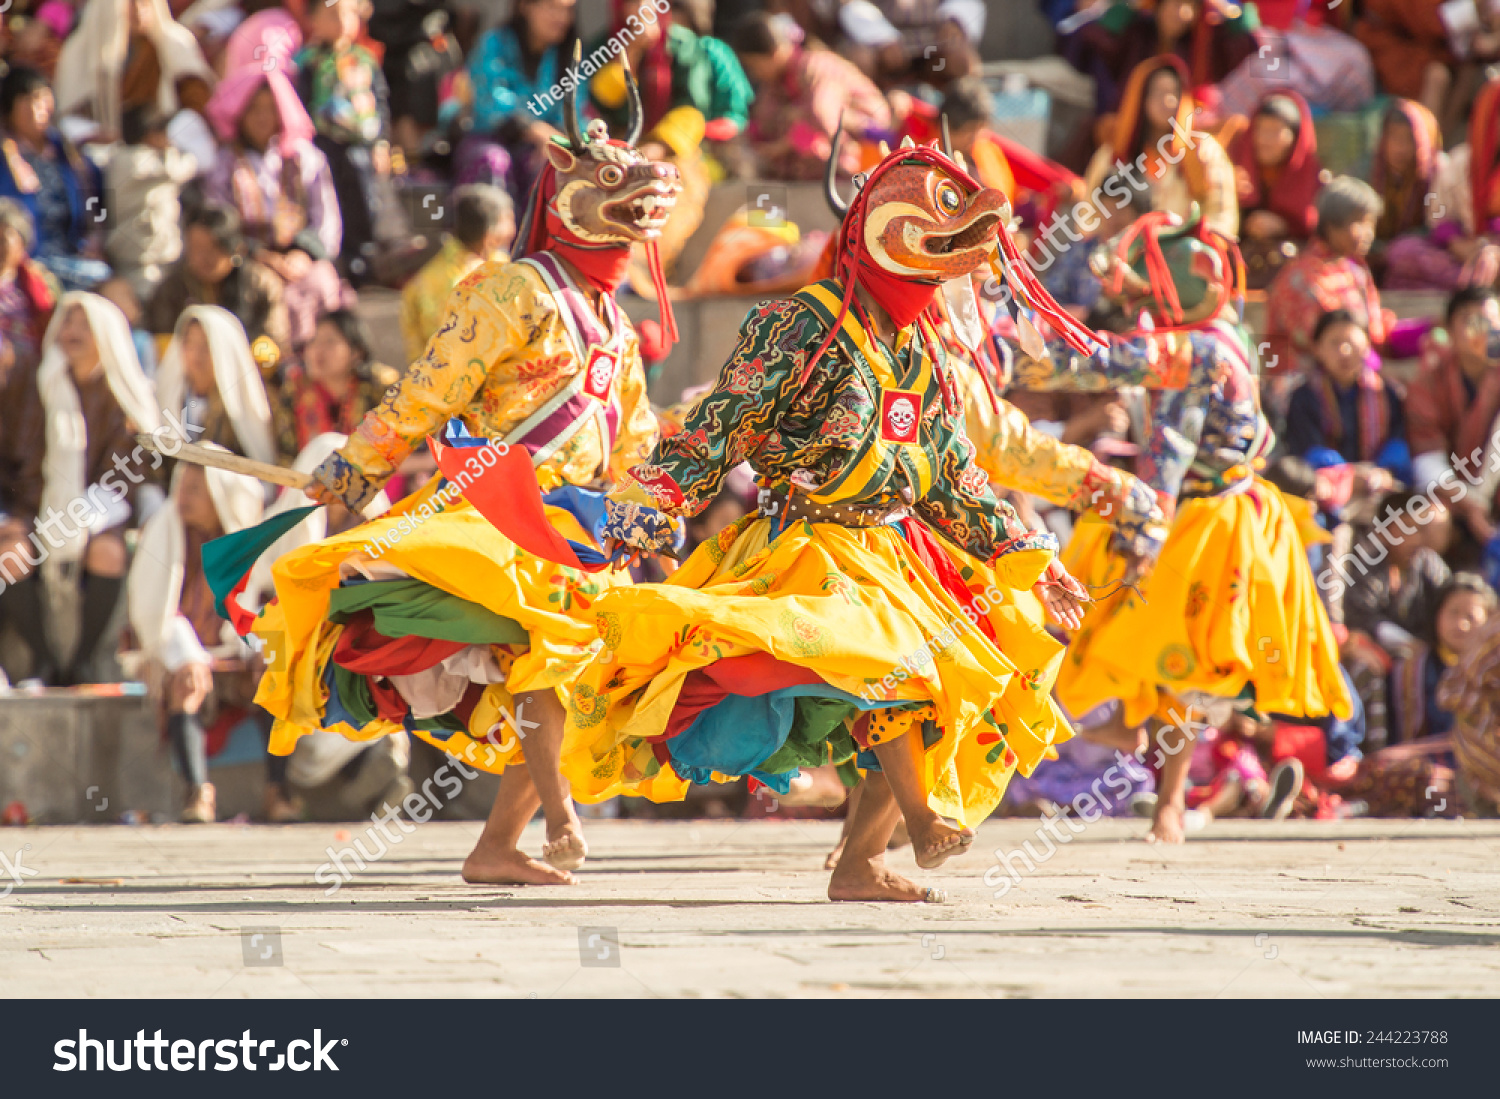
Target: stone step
{"x":72,"y":759}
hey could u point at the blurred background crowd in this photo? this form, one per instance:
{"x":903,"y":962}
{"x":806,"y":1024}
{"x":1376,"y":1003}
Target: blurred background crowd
{"x":246,"y":218}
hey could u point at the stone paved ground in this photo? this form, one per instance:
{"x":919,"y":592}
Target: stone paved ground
{"x":1390,"y":908}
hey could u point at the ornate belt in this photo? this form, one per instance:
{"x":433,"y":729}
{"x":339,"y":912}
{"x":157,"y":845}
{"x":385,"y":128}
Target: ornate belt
{"x":792,"y":507}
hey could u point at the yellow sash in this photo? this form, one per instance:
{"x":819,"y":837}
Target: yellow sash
{"x":881,"y":450}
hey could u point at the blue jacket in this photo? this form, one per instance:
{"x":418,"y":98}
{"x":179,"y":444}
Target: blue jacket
{"x":72,"y":164}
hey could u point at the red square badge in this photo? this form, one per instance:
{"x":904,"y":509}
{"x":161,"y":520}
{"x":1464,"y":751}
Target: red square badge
{"x":599,"y":373}
{"x":900,"y":415}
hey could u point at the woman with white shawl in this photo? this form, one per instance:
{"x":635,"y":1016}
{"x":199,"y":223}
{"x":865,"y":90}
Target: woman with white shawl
{"x":94,"y":398}
{"x":132,"y":53}
{"x":183,"y":641}
{"x":209,"y":377}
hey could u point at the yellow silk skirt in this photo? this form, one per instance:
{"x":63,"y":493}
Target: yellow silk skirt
{"x":458,"y":551}
{"x":1230,"y":602}
{"x":851,"y":605}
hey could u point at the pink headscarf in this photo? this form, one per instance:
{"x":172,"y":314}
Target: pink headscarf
{"x":260,"y":51}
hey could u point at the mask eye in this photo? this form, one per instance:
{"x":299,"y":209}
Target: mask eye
{"x":610,"y":175}
{"x":949,"y":200}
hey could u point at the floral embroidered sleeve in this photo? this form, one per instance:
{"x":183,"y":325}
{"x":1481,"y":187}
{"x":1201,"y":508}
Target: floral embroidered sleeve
{"x":757,"y":386}
{"x":474,"y":334}
{"x":1183,"y":369}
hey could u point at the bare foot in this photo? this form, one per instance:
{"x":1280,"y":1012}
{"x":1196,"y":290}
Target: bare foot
{"x":833,"y":856}
{"x":936,"y":840}
{"x":856,"y":880}
{"x":510,"y":868}
{"x":565,"y":848}
{"x":1166,"y":825}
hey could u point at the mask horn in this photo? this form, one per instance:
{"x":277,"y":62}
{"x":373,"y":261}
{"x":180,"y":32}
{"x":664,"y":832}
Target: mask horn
{"x":637,"y":113}
{"x":947,"y":138}
{"x":570,"y":102}
{"x":830,"y":174}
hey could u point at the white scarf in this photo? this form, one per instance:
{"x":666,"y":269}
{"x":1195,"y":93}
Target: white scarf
{"x":154,"y":589}
{"x":64,"y":466}
{"x":236,"y":376}
{"x":91,"y":64}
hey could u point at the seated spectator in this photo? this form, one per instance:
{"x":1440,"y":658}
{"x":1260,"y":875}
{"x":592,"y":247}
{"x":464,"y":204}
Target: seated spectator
{"x":1454,"y":400}
{"x":209,"y":378}
{"x":1202,"y":34}
{"x":514,"y":74}
{"x":132,"y":53}
{"x":1277,"y":175}
{"x":1415,"y":774}
{"x":898,"y":42}
{"x":1391,"y":579}
{"x":35,"y":40}
{"x":1464,"y":212}
{"x":1345,"y":411}
{"x":1383,"y":591}
{"x":421,"y":54}
{"x":678,"y":71}
{"x":337,"y":383}
{"x":1301,"y":45}
{"x":1155,"y":113}
{"x":274,"y":177}
{"x":88,"y":374}
{"x":26,"y":302}
{"x":1470,"y":691}
{"x":800,"y":96}
{"x":1404,"y":170}
{"x":1460,"y":610}
{"x":692,"y":90}
{"x":145,"y":178}
{"x":1414,"y":55}
{"x":204,"y":675}
{"x":1330,"y":273}
{"x":41,"y":169}
{"x":345,"y":92}
{"x":484,"y":224}
{"x":216,"y":270}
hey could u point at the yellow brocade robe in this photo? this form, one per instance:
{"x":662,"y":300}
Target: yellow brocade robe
{"x":501,"y":354}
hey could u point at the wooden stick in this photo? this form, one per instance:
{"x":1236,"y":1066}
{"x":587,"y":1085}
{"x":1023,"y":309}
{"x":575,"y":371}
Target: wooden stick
{"x":200,"y":455}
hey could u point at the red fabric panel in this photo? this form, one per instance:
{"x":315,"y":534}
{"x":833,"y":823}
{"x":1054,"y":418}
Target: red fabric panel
{"x":507,"y":494}
{"x":362,"y":649}
{"x":755,"y":674}
{"x":932,"y":554}
{"x":1304,"y":742}
{"x":388,"y":701}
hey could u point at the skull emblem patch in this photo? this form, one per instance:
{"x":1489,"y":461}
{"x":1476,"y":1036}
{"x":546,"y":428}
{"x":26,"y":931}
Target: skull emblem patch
{"x":599,"y":374}
{"x":898,"y":415}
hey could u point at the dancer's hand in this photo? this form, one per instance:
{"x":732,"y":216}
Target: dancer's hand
{"x":621,"y":554}
{"x":635,"y":527}
{"x":319,"y":493}
{"x":1063,"y":596}
{"x":1138,"y":566}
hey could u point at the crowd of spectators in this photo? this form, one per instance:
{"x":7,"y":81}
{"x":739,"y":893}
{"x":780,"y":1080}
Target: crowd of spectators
{"x":193,"y":197}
